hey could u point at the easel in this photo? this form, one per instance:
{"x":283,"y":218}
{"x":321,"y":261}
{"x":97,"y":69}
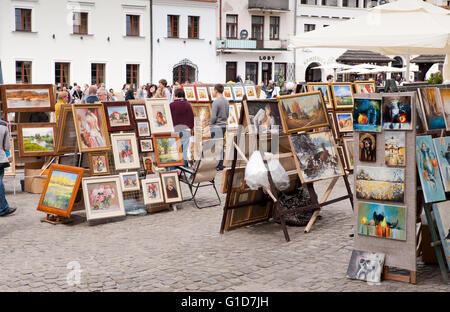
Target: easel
{"x":54,"y":219}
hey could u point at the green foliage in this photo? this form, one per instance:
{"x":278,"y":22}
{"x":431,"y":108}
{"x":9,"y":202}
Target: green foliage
{"x":280,"y":82}
{"x":436,"y":78}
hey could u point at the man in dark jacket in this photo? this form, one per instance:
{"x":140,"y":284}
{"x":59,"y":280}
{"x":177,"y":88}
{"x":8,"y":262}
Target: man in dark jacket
{"x":5,"y":158}
{"x":92,"y":95}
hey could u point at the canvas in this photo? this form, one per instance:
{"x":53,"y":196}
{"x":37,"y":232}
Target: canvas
{"x":366,"y":266}
{"x":238,"y":92}
{"x":203,"y":113}
{"x":442,"y":148}
{"x":146,"y":144}
{"x":171,"y":187}
{"x":316,"y":156}
{"x":118,"y":116}
{"x":345,"y":122}
{"x":427,"y":165}
{"x":365,"y":87}
{"x":125,"y":151}
{"x":250,"y":91}
{"x":367,"y":115}
{"x":394,"y":149}
{"x":302,"y":112}
{"x":27,"y":98}
{"x":36,"y":139}
{"x":432,"y":108}
{"x":348,"y":147}
{"x":445,"y":100}
{"x":143,"y":128}
{"x":397,"y":112}
{"x":189,"y":93}
{"x":66,"y":133}
{"x":380,"y":220}
{"x":232,"y":120}
{"x":442,"y":216}
{"x":129,"y":181}
{"x":160,"y":116}
{"x":324,"y":89}
{"x":90,"y":126}
{"x":99,"y":163}
{"x":227,"y":93}
{"x":152,"y":191}
{"x":367,"y":147}
{"x":380,"y":183}
{"x":168,"y":151}
{"x":202,"y":94}
{"x":263,"y":115}
{"x":140,"y":113}
{"x":342,"y":95}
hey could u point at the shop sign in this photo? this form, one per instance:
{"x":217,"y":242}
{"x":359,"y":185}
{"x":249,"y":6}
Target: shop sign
{"x":266,"y":58}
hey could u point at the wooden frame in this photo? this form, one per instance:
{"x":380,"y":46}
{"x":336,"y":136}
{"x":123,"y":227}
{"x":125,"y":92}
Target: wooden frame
{"x":146,"y":150}
{"x":157,"y":153}
{"x":73,"y":194}
{"x":202,"y":93}
{"x":156,"y":117}
{"x":250,"y":92}
{"x":362,"y":83}
{"x":112,"y":128}
{"x":139,"y":118}
{"x":173,"y":174}
{"x":101,"y":128}
{"x":144,"y":133}
{"x":261,"y":102}
{"x":342,"y":156}
{"x":22,"y":88}
{"x":337,"y":113}
{"x":206,"y":133}
{"x":332,"y":119}
{"x":304,"y":128}
{"x":20,"y":139}
{"x":91,"y":163}
{"x":125,"y":188}
{"x":158,"y":192}
{"x":189,"y":93}
{"x":238,"y":92}
{"x":345,"y":142}
{"x":11,"y":170}
{"x":329,"y":102}
{"x":66,"y":138}
{"x":241,"y":177}
{"x":340,"y":106}
{"x":115,"y":137}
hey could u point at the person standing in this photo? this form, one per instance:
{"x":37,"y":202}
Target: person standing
{"x":249,"y":80}
{"x":152,"y":91}
{"x":102,"y":95}
{"x":163,"y":87}
{"x":92,"y":95}
{"x":62,"y":99}
{"x":5,"y":160}
{"x":219,"y":116}
{"x":129,"y":95}
{"x":77,"y":95}
{"x":330,"y":79}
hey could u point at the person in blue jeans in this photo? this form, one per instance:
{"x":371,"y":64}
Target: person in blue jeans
{"x":4,"y":163}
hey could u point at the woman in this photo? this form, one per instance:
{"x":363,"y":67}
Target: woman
{"x":142,"y":93}
{"x":63,"y":97}
{"x":152,"y":91}
{"x":129,"y":95}
{"x":5,"y":159}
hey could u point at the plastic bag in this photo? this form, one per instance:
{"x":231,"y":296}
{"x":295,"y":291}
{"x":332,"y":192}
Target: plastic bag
{"x":279,"y":175}
{"x":256,"y":172}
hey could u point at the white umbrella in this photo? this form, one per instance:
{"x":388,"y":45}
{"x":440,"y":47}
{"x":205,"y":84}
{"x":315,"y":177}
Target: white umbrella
{"x":333,"y":66}
{"x":359,"y":68}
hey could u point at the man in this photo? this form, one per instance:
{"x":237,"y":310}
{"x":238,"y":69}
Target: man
{"x":102,"y":96}
{"x":77,"y":94}
{"x":5,"y":159}
{"x":92,"y":95}
{"x":170,"y":189}
{"x":219,"y":116}
{"x":163,"y":87}
{"x":330,"y":79}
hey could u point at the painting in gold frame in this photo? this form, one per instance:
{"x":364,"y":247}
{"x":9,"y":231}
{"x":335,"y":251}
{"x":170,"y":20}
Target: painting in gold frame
{"x":66,"y":138}
{"x":365,"y":87}
{"x":342,"y":95}
{"x":324,"y":88}
{"x":99,"y":163}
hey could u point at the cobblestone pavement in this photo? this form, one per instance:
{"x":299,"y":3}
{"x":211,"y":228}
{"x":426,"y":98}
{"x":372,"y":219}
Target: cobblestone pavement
{"x":183,"y":251}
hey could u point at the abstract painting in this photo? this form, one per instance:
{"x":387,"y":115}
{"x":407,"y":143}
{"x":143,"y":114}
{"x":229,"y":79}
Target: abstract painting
{"x":432,"y":109}
{"x":152,"y":191}
{"x":442,"y":215}
{"x":366,"y":266}
{"x":427,"y":165}
{"x":344,"y":122}
{"x":343,"y":95}
{"x":397,"y":112}
{"x":263,"y":115}
{"x":90,"y":126}
{"x":442,"y":148}
{"x":367,"y":147}
{"x":324,"y":89}
{"x":394,"y":149}
{"x":367,"y":115}
{"x":445,"y":100}
{"x":379,"y":183}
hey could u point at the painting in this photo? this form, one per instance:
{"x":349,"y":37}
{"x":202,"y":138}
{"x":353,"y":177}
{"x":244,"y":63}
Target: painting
{"x":238,"y":92}
{"x":139,"y":111}
{"x":342,"y":95}
{"x":118,"y":116}
{"x":125,"y":151}
{"x":348,"y":148}
{"x":36,"y":139}
{"x":99,"y":163}
{"x":227,"y":93}
{"x":146,"y":144}
{"x":442,"y":148}
{"x":189,"y":93}
{"x":238,"y":184}
{"x":264,"y":116}
{"x":365,"y":87}
{"x":149,"y":164}
{"x":302,"y":112}
{"x":203,"y":113}
{"x":250,"y":92}
{"x":316,"y":156}
{"x":152,"y":191}
{"x":66,"y":133}
{"x":380,"y":183}
{"x":367,"y":147}
{"x":394,"y":149}
{"x":11,"y":170}
{"x":380,"y":220}
{"x":60,"y":190}
{"x":344,"y":121}
{"x":232,"y":120}
{"x":143,"y":128}
{"x":427,"y":165}
{"x":129,"y":181}
{"x":397,"y":113}
{"x":212,"y":93}
{"x":366,"y":266}
{"x":445,"y":100}
{"x":324,"y":89}
{"x":103,"y":197}
{"x":367,"y":115}
{"x":442,"y":216}
{"x":90,"y":126}
{"x":168,"y":150}
{"x":171,"y":187}
{"x":341,"y":154}
{"x":27,"y":98}
{"x":432,"y":108}
{"x":202,"y":93}
{"x":160,"y":117}
{"x":333,"y":124}
{"x":238,"y":108}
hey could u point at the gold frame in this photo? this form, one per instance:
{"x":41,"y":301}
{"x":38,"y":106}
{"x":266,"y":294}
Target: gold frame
{"x":309,"y":86}
{"x":64,"y":113}
{"x":363,"y":82}
{"x":334,"y":96}
{"x":91,"y":168}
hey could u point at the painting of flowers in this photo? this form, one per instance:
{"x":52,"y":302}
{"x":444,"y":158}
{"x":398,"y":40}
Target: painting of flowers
{"x":397,"y":112}
{"x":379,"y":183}
{"x":125,"y":151}
{"x":152,"y":191}
{"x":367,"y":115}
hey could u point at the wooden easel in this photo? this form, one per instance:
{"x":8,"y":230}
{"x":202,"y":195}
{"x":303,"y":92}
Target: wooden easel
{"x":54,"y":219}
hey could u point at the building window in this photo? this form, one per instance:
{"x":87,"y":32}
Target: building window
{"x":97,"y":74}
{"x":80,"y":23}
{"x":274,"y":28}
{"x":330,"y":2}
{"x":325,"y":26}
{"x":309,"y":27}
{"x":232,"y":26}
{"x":258,"y":30}
{"x":311,"y":2}
{"x":133,"y":25}
{"x":193,"y":27}
{"x":350,"y":3}
{"x":172,"y":26}
{"x":23,"y":72}
{"x":133,"y":75}
{"x":62,"y":74}
{"x":280,"y":71}
{"x":184,"y":74}
{"x":23,"y":19}
{"x":251,"y":68}
{"x":370,"y":3}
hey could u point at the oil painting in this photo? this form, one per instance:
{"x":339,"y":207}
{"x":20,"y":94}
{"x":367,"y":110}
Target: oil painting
{"x":367,"y":115}
{"x":366,"y":266}
{"x":129,"y":181}
{"x":160,"y":117}
{"x":432,"y":109}
{"x":143,"y":128}
{"x":442,"y":216}
{"x":442,"y":148}
{"x":394,"y":149}
{"x":139,"y":111}
{"x":324,"y":89}
{"x":263,"y":115}
{"x":171,"y":187}
{"x":367,"y":147}
{"x":118,"y":116}
{"x":343,"y":95}
{"x":146,"y":144}
{"x":397,"y":112}
{"x":365,"y":87}
{"x":168,"y":150}
{"x":99,"y":163}
{"x":345,"y":122}
{"x":27,"y":97}
{"x":125,"y":151}
{"x":445,"y":100}
{"x":36,"y":139}
{"x":379,"y":183}
{"x":152,"y":191}
{"x":90,"y":126}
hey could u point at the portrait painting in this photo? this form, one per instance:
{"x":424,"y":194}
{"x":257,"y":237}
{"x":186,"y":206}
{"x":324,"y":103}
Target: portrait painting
{"x":232,"y":120}
{"x":366,"y":266}
{"x":152,"y":191}
{"x":432,"y":109}
{"x":202,"y":93}
{"x":143,"y":128}
{"x":324,"y":89}
{"x":27,"y":97}
{"x":302,"y":112}
{"x":264,"y":115}
{"x":367,"y":115}
{"x":344,"y":121}
{"x":342,"y":95}
{"x":160,"y":116}
{"x":365,"y":87}
{"x":149,"y":164}
{"x":394,"y":149}
{"x":91,"y":128}
{"x":397,"y":113}
{"x":238,"y":92}
{"x":140,"y":113}
{"x":129,"y":181}
{"x":146,"y":144}
{"x":189,"y":93}
{"x":427,"y":165}
{"x":203,"y":113}
{"x":118,"y":116}
{"x":381,"y":220}
{"x":168,"y":150}
{"x":316,"y":156}
{"x":36,"y":139}
{"x":99,"y":163}
{"x":250,"y":91}
{"x":125,"y":151}
{"x":348,"y":148}
{"x":227,"y":93}
{"x":367,"y":147}
{"x":380,"y":183}
{"x":442,"y":216}
{"x":442,"y":148}
{"x":171,"y":187}
{"x":445,"y":100}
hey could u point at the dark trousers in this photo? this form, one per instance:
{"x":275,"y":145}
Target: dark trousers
{"x":218,"y":132}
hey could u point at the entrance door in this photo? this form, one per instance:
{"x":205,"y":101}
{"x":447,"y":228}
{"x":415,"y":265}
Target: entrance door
{"x":266,"y":72}
{"x":313,"y":75}
{"x":231,"y":71}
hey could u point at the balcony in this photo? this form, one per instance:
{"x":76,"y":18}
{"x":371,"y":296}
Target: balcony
{"x":236,"y":44}
{"x":268,"y":5}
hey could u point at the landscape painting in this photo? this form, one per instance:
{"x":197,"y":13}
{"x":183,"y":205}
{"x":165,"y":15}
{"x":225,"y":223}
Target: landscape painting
{"x":397,"y":112}
{"x":394,"y":149}
{"x":380,"y":220}
{"x":427,"y":165}
{"x":263,"y":115}
{"x":379,"y":183}
{"x":345,"y":122}
{"x":139,"y":112}
{"x":442,"y":148}
{"x":118,"y":116}
{"x":442,"y":215}
{"x":367,"y":115}
{"x":168,"y":151}
{"x":27,"y":98}
{"x":367,"y":147}
{"x":432,"y":109}
{"x":366,"y":266}
{"x":36,"y":139}
{"x":343,"y":95}
{"x":129,"y":181}
{"x":324,"y":90}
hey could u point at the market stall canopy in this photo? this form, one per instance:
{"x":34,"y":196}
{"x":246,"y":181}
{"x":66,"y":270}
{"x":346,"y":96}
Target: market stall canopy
{"x":333,"y":66}
{"x":359,"y":56}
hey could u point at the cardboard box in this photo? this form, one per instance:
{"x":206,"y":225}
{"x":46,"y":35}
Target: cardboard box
{"x":34,"y":183}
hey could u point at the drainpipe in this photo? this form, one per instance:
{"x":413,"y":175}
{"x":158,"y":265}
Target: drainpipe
{"x":295,"y":34}
{"x":151,"y":40}
{"x":220,"y":20}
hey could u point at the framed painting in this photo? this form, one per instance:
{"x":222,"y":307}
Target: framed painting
{"x":238,"y":109}
{"x":91,"y":127}
{"x":139,"y":112}
{"x":302,"y":112}
{"x":427,"y":165}
{"x":263,"y":115}
{"x":341,"y":154}
{"x":397,"y":112}
{"x":143,"y":128}
{"x":189,"y":93}
{"x":442,"y":148}
{"x":324,"y":89}
{"x":99,"y":163}
{"x":118,"y":116}
{"x":146,"y":144}
{"x":171,"y":187}
{"x":394,"y":149}
{"x":202,"y":112}
{"x":366,"y":266}
{"x":227,"y":93}
{"x":365,"y":87}
{"x":432,"y":109}
{"x":316,"y":156}
{"x":344,"y":121}
{"x":238,"y":92}
{"x":129,"y":181}
{"x":66,"y":133}
{"x":160,"y":116}
{"x":202,"y":93}
{"x":332,"y":121}
{"x":442,"y":216}
{"x":11,"y":170}
{"x":27,"y":97}
{"x":149,"y":164}
{"x":380,"y":220}
{"x":367,"y":115}
{"x":212,"y":93}
{"x":152,"y":191}
{"x":367,"y":147}
{"x":60,"y":190}
{"x":36,"y":139}
{"x":238,"y":180}
{"x":232,"y":120}
{"x":445,"y":100}
{"x":380,"y":183}
{"x":168,"y":150}
{"x":103,"y":197}
{"x":348,"y":148}
{"x":125,"y":151}
{"x":342,"y":95}
{"x":250,"y":92}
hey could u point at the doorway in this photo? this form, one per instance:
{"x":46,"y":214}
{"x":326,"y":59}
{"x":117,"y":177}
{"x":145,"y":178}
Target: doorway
{"x":313,"y":74}
{"x":231,"y":71}
{"x":266,"y":72}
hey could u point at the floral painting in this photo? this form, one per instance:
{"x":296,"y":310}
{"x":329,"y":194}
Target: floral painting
{"x":379,"y":183}
{"x":152,"y":191}
{"x":367,"y":115}
{"x":125,"y":151}
{"x":126,"y":155}
{"x":397,"y":112}
{"x":394,"y":148}
{"x":99,"y":164}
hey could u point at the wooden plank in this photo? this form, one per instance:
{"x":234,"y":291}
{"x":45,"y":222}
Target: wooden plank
{"x":330,"y":188}
{"x":396,"y":277}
